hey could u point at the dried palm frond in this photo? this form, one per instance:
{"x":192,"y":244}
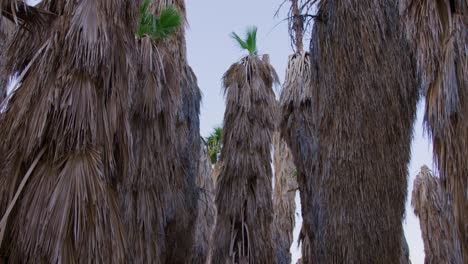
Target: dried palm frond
{"x":243,"y":196}
{"x":350,"y":131}
{"x":434,"y":209}
{"x":5,"y":34}
{"x":438,"y":31}
{"x":72,"y":103}
{"x":284,"y":204}
{"x":159,"y":200}
{"x":20,"y":12}
{"x":405,"y":255}
{"x":206,"y":210}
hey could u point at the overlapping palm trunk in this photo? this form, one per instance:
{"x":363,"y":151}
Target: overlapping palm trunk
{"x":439,"y":31}
{"x":5,"y":33}
{"x":159,"y":199}
{"x":284,"y":204}
{"x":244,"y":197}
{"x":434,"y":209}
{"x":206,"y":210}
{"x":69,"y":116}
{"x":350,"y":132}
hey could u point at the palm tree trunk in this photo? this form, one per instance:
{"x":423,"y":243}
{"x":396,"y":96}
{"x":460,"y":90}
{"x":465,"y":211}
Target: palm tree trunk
{"x":350,"y":132}
{"x":430,"y":203}
{"x":438,"y":30}
{"x":284,"y":204}
{"x":206,"y":210}
{"x":243,"y":197}
{"x":5,"y":33}
{"x":159,"y":200}
{"x":72,"y":103}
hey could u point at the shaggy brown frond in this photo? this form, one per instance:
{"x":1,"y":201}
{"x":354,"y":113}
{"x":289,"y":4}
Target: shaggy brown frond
{"x":5,"y":34}
{"x":430,"y":203}
{"x":244,"y":196}
{"x":284,"y":204}
{"x":159,"y":199}
{"x":72,"y":103}
{"x":206,"y":210}
{"x":439,"y":32}
{"x":350,"y":132}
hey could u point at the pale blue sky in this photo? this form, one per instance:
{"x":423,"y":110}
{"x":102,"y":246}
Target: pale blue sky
{"x":211,"y":51}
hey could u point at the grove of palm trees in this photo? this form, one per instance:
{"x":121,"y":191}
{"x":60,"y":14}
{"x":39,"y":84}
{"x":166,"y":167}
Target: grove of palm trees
{"x":144,"y":132}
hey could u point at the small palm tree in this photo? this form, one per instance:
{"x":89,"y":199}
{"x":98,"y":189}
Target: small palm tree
{"x":213,"y":141}
{"x":243,"y":196}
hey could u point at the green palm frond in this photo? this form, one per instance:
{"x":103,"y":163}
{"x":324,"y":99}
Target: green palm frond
{"x":214,"y":144}
{"x":250,"y":42}
{"x":157,"y":27}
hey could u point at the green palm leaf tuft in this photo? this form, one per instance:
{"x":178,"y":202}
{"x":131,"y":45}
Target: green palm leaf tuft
{"x":250,"y":42}
{"x":214,"y":144}
{"x":157,"y":27}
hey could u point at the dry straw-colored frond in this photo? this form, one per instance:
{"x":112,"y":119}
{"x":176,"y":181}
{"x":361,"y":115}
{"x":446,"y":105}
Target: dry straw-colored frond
{"x":244,"y":196}
{"x":5,"y":34}
{"x":434,"y":209}
{"x":405,"y":254}
{"x":159,"y":198}
{"x":206,"y":210}
{"x":78,"y":115}
{"x":439,"y":32}
{"x":284,"y":204}
{"x":351,"y":132}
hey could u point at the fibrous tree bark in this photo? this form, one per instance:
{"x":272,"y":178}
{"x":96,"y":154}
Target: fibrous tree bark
{"x":434,"y":209}
{"x":244,"y":189}
{"x":284,"y":204}
{"x":439,"y":33}
{"x":350,"y":132}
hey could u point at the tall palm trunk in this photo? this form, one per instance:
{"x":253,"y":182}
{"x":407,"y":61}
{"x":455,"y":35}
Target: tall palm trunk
{"x":5,"y":32}
{"x":71,"y":106}
{"x":243,"y":197}
{"x":284,"y":204}
{"x":206,"y":210}
{"x":159,"y":200}
{"x":350,"y":132}
{"x":430,"y":203}
{"x":439,"y":31}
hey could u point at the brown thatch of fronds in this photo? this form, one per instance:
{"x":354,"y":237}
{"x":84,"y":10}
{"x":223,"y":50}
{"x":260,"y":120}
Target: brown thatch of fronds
{"x":439,"y":32}
{"x":5,"y":33}
{"x":19,"y":12}
{"x":72,"y":104}
{"x":434,"y":209}
{"x":350,"y":132}
{"x":243,"y":192}
{"x":306,"y":249}
{"x":284,"y":204}
{"x":159,"y":200}
{"x":206,"y":210}
{"x":405,"y":255}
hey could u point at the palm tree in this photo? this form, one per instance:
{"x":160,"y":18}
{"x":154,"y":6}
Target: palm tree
{"x":146,"y":193}
{"x":64,"y":135}
{"x":430,"y":203}
{"x":438,"y":31}
{"x":214,"y":150}
{"x":284,"y":204}
{"x":206,"y":209}
{"x":243,"y":197}
{"x":350,"y":131}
